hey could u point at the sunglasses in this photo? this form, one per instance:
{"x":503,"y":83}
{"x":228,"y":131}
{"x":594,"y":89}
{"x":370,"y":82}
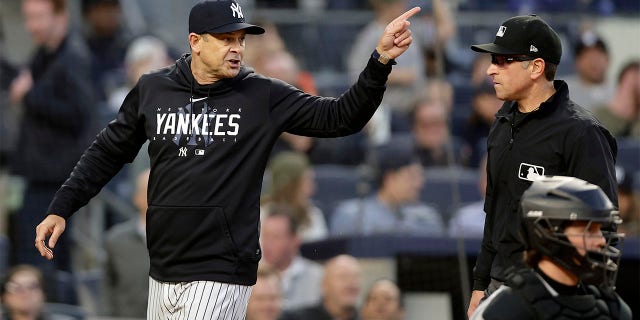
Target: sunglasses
{"x":503,"y":60}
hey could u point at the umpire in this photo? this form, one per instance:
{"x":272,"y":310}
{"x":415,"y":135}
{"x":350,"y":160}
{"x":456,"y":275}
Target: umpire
{"x":538,"y":131}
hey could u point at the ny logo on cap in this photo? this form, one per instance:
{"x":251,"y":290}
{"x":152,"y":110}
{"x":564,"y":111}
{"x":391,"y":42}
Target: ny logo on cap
{"x":501,"y":31}
{"x":235,"y":9}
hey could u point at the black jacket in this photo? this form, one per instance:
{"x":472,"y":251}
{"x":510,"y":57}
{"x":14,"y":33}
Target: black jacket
{"x":57,"y":122}
{"x":206,"y":176}
{"x":560,"y":138}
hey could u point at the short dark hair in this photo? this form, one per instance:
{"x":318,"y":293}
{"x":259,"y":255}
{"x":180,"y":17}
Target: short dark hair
{"x":550,"y":70}
{"x":59,"y":6}
{"x":279,"y":209}
{"x":90,"y":4}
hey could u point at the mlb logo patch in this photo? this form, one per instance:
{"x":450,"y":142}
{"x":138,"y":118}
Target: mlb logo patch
{"x":530,"y":172}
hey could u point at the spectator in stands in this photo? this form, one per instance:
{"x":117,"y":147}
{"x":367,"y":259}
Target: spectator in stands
{"x":408,"y":75}
{"x":280,"y":242}
{"x":270,"y":41}
{"x":438,"y":90}
{"x":265,"y":302}
{"x":434,"y":144}
{"x":292,"y":182}
{"x":108,"y":40}
{"x":468,"y":221}
{"x":341,"y":287}
{"x":383,"y":302}
{"x":395,"y":207}
{"x":435,"y":30}
{"x":484,"y":105}
{"x":23,"y":297}
{"x":144,"y":54}
{"x":441,"y":90}
{"x":628,"y":203}
{"x":589,"y":85}
{"x":8,"y":116}
{"x":279,"y":63}
{"x":126,"y":280}
{"x":621,"y":114}
{"x":57,"y":103}
{"x":269,"y":56}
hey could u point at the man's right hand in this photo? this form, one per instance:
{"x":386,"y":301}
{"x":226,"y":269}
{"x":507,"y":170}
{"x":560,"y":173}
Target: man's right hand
{"x":476,"y":296}
{"x":52,"y":226}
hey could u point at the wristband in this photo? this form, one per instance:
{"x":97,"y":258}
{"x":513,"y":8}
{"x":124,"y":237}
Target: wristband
{"x":382,"y":58}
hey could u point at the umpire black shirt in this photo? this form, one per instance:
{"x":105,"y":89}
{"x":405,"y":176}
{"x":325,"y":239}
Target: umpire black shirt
{"x":559,"y":138}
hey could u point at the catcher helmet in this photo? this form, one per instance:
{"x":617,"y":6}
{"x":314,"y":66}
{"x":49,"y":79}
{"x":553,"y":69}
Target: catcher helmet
{"x":553,"y":202}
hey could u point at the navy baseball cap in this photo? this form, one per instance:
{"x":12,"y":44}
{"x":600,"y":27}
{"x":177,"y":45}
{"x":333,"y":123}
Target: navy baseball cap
{"x":219,"y":17}
{"x":589,"y":40}
{"x":525,"y":35}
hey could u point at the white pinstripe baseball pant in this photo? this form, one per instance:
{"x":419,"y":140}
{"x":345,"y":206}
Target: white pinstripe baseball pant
{"x":197,"y":300}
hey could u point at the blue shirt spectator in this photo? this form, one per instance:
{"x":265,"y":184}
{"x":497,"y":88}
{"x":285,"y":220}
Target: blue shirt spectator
{"x":395,"y":207}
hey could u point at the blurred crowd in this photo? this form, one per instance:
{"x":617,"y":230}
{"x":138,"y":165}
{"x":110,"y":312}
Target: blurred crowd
{"x":418,"y":167}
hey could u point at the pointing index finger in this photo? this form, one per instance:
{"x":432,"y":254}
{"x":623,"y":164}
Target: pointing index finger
{"x":408,"y":14}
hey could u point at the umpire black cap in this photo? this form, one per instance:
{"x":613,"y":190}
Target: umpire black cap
{"x":525,"y":35}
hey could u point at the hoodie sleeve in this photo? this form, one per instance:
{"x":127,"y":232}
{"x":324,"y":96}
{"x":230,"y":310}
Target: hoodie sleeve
{"x":114,"y":146}
{"x":299,"y":113}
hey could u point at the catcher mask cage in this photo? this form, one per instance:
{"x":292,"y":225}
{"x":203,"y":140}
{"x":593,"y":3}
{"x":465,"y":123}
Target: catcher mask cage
{"x":553,"y":202}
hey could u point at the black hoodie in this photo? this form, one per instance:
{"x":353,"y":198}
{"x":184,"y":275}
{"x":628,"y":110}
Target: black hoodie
{"x":206,"y":176}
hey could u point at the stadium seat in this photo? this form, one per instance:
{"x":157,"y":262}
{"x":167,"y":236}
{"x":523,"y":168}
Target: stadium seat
{"x":448,"y":188}
{"x":89,"y":285}
{"x":335,"y":183}
{"x":66,"y":311}
{"x":629,"y":154}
